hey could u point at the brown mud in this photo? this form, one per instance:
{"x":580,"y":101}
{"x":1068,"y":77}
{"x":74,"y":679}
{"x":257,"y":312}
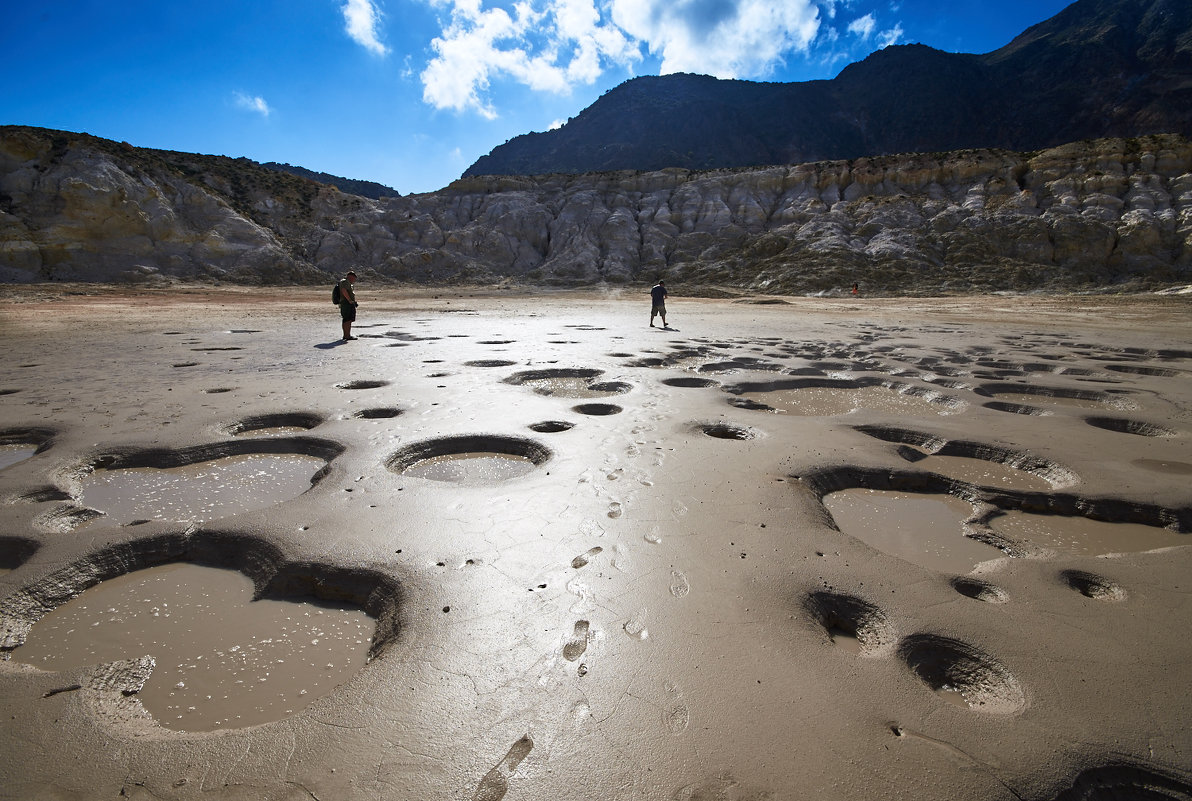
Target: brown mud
{"x":628,"y":573}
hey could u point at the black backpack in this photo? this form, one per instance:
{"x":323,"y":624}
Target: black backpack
{"x":336,"y":297}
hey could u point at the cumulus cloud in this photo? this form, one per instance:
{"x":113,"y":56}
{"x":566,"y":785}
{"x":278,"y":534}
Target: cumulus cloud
{"x":253,"y":103}
{"x":723,"y":38}
{"x":361,"y":19}
{"x":549,"y":45}
{"x":553,"y":45}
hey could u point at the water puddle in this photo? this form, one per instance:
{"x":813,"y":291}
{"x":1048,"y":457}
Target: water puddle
{"x":1084,"y":537}
{"x":13,"y":454}
{"x":983,"y":472}
{"x":223,"y":660}
{"x":829,"y":402}
{"x":846,"y":640}
{"x":926,"y":530}
{"x":471,"y":468}
{"x":202,"y":491}
{"x":953,"y":696}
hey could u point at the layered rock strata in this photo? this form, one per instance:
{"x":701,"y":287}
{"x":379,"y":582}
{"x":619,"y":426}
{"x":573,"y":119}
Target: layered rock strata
{"x":1114,"y":212}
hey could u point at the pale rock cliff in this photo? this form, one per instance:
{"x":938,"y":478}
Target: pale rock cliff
{"x":1088,"y":214}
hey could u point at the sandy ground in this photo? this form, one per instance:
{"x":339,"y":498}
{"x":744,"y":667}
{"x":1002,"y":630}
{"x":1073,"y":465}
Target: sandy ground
{"x":663,"y":606}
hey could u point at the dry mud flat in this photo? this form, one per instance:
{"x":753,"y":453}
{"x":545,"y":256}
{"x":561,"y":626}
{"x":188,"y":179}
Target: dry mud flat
{"x":526,"y":547}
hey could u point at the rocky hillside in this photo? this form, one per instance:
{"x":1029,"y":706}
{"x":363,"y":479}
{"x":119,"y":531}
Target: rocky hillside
{"x":1107,"y":213}
{"x":350,"y":185}
{"x":1100,"y":68}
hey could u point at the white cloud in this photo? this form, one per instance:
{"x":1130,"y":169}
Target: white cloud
{"x":863,"y":26}
{"x":891,"y":36}
{"x":253,"y":103}
{"x":548,"y":45}
{"x":723,"y":38}
{"x":553,"y":45}
{"x":361,"y":19}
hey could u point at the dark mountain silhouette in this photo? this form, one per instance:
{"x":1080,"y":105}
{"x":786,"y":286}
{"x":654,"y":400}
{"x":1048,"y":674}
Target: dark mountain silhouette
{"x":350,"y":185}
{"x":1099,"y":68}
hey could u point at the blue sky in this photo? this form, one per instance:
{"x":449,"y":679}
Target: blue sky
{"x":410,"y":92}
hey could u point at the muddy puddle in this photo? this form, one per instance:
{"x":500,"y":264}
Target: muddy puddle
{"x":202,"y":491}
{"x":1084,"y":537}
{"x":845,"y":640}
{"x":223,"y":660}
{"x":829,"y":402}
{"x":926,"y":530}
{"x":14,"y":454}
{"x":982,"y":472}
{"x":471,"y":468}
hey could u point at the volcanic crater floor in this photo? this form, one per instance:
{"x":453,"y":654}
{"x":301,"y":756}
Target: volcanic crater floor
{"x":523,"y":546}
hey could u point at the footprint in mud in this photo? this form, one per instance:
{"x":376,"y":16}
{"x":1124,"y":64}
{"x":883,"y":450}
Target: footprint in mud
{"x":584,"y":558}
{"x":576,"y":646}
{"x":635,"y":626}
{"x":676,"y":715}
{"x":495,"y":783}
{"x":679,"y":586}
{"x":583,"y":593}
{"x":590,"y":528}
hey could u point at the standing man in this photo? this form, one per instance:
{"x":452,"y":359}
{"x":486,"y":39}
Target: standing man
{"x":658,"y":302}
{"x":347,"y":303}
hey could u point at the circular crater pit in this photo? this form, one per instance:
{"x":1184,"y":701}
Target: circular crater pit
{"x":283,"y":423}
{"x":962,"y":674}
{"x":361,"y":384}
{"x":748,"y":403}
{"x":490,"y":363}
{"x":610,"y":387}
{"x":1121,"y":782}
{"x":724,"y":431}
{"x":1137,"y":369}
{"x":1124,"y":426}
{"x":690,"y":382}
{"x":850,"y":622}
{"x":472,"y":459}
{"x":597,"y":409}
{"x":1090,"y":585}
{"x":379,"y":413}
{"x":225,"y":656}
{"x":979,"y":590}
{"x":551,"y":426}
{"x":1014,"y":408}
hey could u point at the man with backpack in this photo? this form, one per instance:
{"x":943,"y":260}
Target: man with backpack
{"x":658,"y":302}
{"x":346,"y":298}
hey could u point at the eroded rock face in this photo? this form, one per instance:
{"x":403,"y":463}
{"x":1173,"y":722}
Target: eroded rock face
{"x":1106,"y":212}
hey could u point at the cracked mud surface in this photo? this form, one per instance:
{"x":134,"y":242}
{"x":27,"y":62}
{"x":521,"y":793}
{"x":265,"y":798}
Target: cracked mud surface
{"x":664,"y":604}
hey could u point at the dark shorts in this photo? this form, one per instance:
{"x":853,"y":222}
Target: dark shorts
{"x":658,"y":308}
{"x":348,"y":312}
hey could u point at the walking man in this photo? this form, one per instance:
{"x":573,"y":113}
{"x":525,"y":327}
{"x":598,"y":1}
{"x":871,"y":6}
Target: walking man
{"x":658,"y":302}
{"x":347,"y":303}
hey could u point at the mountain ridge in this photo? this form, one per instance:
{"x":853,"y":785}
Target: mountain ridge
{"x":1099,"y":68}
